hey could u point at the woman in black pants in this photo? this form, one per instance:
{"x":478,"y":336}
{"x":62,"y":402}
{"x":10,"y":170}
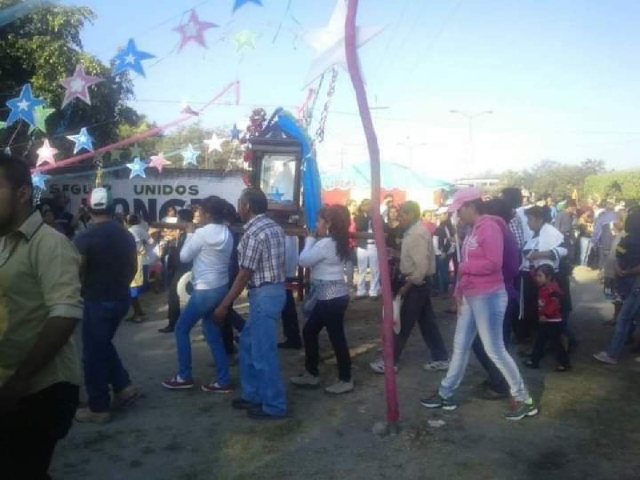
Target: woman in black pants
{"x":325,"y":254}
{"x":177,"y":269}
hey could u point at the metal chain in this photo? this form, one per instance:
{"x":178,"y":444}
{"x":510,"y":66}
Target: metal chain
{"x":325,"y":110}
{"x":308,"y":115}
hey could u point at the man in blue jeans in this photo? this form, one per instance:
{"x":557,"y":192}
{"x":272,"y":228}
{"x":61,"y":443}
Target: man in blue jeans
{"x":109,"y":263}
{"x":261,"y":255}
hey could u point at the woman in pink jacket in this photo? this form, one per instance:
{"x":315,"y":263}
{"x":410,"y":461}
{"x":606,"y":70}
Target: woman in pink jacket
{"x":480,"y":288}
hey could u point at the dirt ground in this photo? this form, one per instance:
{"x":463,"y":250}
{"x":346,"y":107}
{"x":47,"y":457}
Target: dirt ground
{"x":589,"y":426}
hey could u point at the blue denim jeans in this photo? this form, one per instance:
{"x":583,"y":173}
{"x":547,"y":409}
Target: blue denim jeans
{"x":200,"y":304}
{"x":624,"y":321}
{"x":259,"y":365}
{"x":102,"y":365}
{"x":483,"y":315}
{"x":442,"y":267}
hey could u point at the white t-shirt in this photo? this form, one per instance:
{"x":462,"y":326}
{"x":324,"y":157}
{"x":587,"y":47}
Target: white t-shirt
{"x":322,"y":257}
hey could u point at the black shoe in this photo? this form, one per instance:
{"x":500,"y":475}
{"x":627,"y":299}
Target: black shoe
{"x":242,"y":404}
{"x":259,"y":414}
{"x":288,"y":345}
{"x":166,"y":330}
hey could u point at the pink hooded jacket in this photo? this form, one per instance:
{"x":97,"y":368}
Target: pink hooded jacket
{"x":480,"y":272}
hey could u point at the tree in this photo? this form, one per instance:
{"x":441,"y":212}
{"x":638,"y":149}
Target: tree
{"x":43,"y":48}
{"x":230,"y":158}
{"x":554,"y":178}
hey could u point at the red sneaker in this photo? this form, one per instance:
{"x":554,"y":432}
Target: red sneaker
{"x":177,"y":383}
{"x":216,"y":388}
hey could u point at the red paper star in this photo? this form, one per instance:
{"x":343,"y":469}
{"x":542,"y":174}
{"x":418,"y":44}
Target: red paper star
{"x":78,"y":85}
{"x":193,"y":30}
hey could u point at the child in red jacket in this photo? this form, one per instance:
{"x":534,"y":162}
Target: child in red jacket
{"x":550,"y":318}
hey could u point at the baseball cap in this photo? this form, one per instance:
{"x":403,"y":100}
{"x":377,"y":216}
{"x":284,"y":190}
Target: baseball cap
{"x":100,"y":199}
{"x":463,"y":196}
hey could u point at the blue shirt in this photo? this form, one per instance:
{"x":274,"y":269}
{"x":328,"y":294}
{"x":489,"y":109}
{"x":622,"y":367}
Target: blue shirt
{"x":110,"y":261}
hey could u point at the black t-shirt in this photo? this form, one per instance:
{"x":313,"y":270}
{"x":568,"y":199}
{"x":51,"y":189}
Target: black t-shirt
{"x":110,"y":252}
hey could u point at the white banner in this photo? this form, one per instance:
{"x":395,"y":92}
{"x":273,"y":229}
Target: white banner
{"x":152,"y":196}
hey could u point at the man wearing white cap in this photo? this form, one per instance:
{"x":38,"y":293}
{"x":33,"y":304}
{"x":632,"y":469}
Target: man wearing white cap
{"x":109,"y":263}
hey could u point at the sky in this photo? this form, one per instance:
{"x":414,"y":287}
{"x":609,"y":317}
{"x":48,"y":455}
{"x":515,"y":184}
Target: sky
{"x":559,"y":76}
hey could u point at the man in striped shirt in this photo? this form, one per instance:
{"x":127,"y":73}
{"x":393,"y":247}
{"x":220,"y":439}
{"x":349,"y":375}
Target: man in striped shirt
{"x":261,"y":255}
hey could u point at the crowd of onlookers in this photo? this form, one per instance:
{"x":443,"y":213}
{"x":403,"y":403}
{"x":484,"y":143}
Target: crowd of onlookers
{"x":502,"y":264}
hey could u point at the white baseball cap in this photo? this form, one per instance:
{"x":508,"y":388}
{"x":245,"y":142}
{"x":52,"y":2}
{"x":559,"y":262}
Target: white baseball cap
{"x":100,"y":199}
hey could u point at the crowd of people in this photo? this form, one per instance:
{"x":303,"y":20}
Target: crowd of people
{"x":502,"y":264}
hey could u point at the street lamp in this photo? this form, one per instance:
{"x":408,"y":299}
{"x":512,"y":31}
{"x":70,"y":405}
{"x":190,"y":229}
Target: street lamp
{"x":471,"y":117}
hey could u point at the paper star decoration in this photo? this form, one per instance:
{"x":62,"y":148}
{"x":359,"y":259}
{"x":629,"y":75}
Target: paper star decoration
{"x":41,"y":114}
{"x":215,"y":143}
{"x":241,"y":3}
{"x":130,"y":58}
{"x":38,"y":179}
{"x":193,"y":30}
{"x":22,"y":107}
{"x":329,"y":42}
{"x":190,"y":156}
{"x":115,"y":155}
{"x":46,"y":154}
{"x":244,"y":39}
{"x":82,"y":140}
{"x":137,"y":168}
{"x":77,"y":86}
{"x":235,"y":133}
{"x":158,"y":162}
{"x":136,"y":151}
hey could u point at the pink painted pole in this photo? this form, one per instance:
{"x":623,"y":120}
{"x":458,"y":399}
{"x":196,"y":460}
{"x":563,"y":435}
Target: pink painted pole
{"x":393,"y":412}
{"x":139,"y":136}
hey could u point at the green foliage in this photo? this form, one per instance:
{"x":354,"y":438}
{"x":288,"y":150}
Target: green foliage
{"x":555,"y":178}
{"x":230,"y":158}
{"x":623,"y":185}
{"x":42,"y":48}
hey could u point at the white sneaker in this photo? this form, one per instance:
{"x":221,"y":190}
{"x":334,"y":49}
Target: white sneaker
{"x":305,"y":380}
{"x":437,"y":366}
{"x":605,"y":358}
{"x":378,"y":366}
{"x":340,"y":388}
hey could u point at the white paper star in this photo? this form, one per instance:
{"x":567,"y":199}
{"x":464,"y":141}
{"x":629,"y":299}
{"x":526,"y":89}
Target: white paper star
{"x":23,"y":105}
{"x":215,"y":143}
{"x":46,"y":154}
{"x":329,"y":42}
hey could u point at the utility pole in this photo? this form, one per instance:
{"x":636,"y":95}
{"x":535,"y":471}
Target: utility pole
{"x":470,"y":118}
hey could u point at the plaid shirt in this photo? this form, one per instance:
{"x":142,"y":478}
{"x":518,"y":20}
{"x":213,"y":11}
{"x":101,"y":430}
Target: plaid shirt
{"x":262,"y":250}
{"x":515,"y":225}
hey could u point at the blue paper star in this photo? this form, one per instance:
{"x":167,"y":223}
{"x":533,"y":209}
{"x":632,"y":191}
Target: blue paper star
{"x":130,"y":58}
{"x":235,"y":133}
{"x":242,"y":3}
{"x":190,"y":156}
{"x":137,"y":168}
{"x":82,"y":140}
{"x":22,"y":106}
{"x":38,"y":180}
